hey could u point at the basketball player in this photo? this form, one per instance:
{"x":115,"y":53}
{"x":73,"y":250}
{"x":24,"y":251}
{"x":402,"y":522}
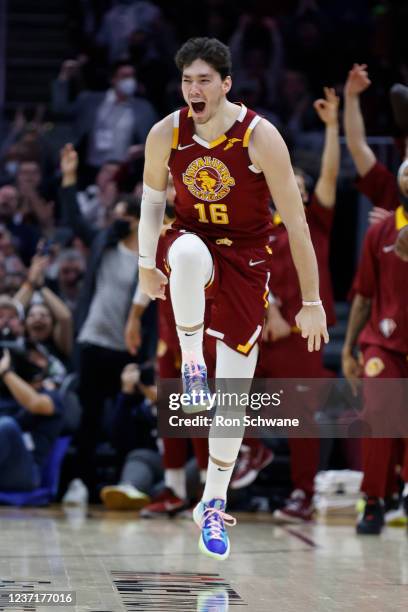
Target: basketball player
{"x":225,"y":160}
{"x":379,"y":312}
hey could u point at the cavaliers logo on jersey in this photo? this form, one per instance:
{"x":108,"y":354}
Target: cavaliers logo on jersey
{"x":208,"y":179}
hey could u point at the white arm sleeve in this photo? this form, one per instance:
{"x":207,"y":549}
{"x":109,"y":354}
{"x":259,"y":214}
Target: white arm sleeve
{"x":140,"y":298}
{"x":150,"y":225}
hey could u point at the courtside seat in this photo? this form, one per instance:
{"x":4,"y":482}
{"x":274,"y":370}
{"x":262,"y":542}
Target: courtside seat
{"x":48,"y":489}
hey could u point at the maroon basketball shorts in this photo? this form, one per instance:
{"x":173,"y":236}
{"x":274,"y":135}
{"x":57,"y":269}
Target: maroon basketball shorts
{"x":237,"y":292}
{"x":385,"y":403}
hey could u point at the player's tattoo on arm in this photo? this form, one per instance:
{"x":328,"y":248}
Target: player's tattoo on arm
{"x":359,"y":315}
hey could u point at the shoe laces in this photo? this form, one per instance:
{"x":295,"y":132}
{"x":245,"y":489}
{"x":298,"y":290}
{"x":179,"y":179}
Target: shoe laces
{"x":216,"y":520}
{"x":195,"y":376}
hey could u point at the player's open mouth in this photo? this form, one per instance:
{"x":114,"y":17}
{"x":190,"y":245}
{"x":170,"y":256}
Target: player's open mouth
{"x":198,"y":107}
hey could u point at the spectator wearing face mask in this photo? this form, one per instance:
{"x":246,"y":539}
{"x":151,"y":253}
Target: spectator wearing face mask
{"x":110,"y":121}
{"x":106,"y":297}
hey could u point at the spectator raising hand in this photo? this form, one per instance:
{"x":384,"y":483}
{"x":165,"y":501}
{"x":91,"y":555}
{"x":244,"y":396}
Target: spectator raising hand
{"x":49,"y":322}
{"x":36,"y":272}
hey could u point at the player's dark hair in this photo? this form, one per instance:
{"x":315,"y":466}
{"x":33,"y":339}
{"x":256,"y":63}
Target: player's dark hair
{"x":210,"y":50}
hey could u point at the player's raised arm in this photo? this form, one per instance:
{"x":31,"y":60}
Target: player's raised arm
{"x":357,"y":82}
{"x":158,"y":146}
{"x":269,"y":153}
{"x":327,"y":109}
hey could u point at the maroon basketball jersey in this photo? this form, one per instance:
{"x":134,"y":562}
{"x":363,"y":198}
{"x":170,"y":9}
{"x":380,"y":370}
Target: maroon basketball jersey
{"x":382,"y":277}
{"x":219,"y":193}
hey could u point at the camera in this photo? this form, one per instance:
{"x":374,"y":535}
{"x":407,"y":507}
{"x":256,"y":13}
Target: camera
{"x":22,"y":362}
{"x":9,"y":341}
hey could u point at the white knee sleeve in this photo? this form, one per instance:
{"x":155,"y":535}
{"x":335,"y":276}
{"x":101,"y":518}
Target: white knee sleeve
{"x":191,"y":269}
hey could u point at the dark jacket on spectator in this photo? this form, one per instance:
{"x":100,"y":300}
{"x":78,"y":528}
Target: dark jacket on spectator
{"x":84,"y":109}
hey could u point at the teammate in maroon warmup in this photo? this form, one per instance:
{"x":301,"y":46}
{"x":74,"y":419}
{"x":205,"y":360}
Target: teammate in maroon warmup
{"x":374,"y":181}
{"x":283,"y":353}
{"x":379,"y":312}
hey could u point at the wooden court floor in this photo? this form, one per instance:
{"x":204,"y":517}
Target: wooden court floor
{"x":116,"y":562}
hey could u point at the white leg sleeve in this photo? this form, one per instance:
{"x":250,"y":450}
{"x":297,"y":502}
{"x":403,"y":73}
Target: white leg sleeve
{"x":234,"y":373}
{"x":191,"y":269}
{"x":231,"y":364}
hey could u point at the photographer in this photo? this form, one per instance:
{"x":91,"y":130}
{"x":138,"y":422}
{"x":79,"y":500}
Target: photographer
{"x":12,"y":327}
{"x":11,"y":317}
{"x":30,"y":422}
{"x":134,"y":439}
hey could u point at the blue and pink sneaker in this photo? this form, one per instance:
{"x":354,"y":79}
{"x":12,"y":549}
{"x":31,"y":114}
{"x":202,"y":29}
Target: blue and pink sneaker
{"x":195,"y":385}
{"x":211,"y":519}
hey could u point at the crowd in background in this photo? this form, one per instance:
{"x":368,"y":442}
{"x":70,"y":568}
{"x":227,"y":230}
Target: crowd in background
{"x":68,"y":220}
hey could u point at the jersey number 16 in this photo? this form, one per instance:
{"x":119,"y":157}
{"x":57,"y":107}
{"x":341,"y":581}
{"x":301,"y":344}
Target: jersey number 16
{"x":218,"y":213}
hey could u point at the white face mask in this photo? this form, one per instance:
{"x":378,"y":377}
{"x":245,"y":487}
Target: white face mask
{"x":127,"y":87}
{"x":11,"y":167}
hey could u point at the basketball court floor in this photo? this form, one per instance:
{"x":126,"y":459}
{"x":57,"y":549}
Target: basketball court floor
{"x":115,"y":562}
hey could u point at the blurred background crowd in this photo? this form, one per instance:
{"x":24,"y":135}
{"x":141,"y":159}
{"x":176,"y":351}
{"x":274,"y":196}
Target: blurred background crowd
{"x":99,"y":74}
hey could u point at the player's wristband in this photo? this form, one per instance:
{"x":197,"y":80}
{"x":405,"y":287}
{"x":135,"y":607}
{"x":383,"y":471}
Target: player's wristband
{"x":312,"y":303}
